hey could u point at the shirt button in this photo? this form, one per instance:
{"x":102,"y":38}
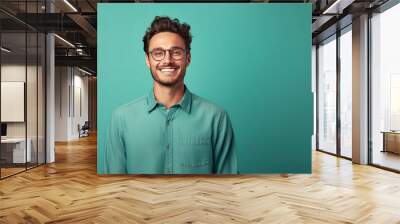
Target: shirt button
{"x":167,"y":146}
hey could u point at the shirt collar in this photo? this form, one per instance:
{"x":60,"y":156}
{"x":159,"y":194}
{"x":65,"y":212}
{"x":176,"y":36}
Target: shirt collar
{"x":185,"y":103}
{"x":151,"y":101}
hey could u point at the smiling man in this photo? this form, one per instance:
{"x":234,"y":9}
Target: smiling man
{"x":170,"y":130}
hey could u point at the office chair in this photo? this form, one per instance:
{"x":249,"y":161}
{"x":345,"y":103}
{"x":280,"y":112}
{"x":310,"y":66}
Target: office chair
{"x":84,"y":130}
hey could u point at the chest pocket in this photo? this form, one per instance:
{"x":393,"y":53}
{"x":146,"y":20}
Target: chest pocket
{"x":195,"y":153}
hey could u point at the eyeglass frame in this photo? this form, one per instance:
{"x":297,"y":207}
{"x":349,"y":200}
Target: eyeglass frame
{"x":169,"y":52}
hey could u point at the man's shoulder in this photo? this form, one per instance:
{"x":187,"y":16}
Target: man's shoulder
{"x":207,"y":105}
{"x":133,"y":106}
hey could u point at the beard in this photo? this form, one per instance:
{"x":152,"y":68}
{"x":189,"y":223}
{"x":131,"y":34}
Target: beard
{"x":168,"y":82}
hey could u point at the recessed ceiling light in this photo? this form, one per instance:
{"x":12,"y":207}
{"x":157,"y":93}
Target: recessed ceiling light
{"x":71,"y":6}
{"x":64,"y":40}
{"x":84,"y":71}
{"x":337,"y":7}
{"x":5,"y":50}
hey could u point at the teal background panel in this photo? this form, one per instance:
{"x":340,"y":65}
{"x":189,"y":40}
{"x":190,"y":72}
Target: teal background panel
{"x":252,"y":59}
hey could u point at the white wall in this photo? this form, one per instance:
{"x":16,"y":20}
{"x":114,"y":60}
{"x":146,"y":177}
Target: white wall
{"x":79,"y":117}
{"x":62,"y":81}
{"x":71,"y":102}
{"x":33,"y":127}
{"x":16,"y":72}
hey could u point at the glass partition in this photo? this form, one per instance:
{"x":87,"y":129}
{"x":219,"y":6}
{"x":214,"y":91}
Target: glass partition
{"x":31,"y":100}
{"x":14,"y":153}
{"x":41,"y":107}
{"x":22,"y":77}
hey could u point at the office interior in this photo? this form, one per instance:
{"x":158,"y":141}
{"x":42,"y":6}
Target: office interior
{"x":49,"y":82}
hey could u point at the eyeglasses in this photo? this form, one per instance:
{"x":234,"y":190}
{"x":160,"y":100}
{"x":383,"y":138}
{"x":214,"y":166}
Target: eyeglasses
{"x":176,"y":53}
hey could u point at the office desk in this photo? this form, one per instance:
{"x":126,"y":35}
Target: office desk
{"x":391,"y":141}
{"x":16,"y":147}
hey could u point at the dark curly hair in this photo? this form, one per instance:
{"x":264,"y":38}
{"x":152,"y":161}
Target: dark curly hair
{"x":166,"y":24}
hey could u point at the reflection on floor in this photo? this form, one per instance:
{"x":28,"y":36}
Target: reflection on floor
{"x":346,"y":152}
{"x":386,"y":159}
{"x":10,"y":169}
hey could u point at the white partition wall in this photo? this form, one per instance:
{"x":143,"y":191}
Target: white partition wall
{"x":71,"y":102}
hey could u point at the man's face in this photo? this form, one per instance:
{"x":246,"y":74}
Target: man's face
{"x":168,"y":71}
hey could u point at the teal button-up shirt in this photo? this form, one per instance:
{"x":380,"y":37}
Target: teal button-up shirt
{"x":192,"y":137}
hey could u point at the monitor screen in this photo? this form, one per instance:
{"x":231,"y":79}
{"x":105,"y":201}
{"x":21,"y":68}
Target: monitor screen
{"x":3,"y":129}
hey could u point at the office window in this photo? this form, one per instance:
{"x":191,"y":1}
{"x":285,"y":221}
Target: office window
{"x":327,"y":95}
{"x":346,"y":92}
{"x":313,"y":86}
{"x":385,"y":88}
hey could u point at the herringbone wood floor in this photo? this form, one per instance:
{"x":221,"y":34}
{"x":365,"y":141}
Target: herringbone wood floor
{"x":69,"y":191}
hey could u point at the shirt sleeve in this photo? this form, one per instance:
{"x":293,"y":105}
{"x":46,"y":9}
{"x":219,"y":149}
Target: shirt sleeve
{"x":224,"y":150}
{"x":115,"y":156}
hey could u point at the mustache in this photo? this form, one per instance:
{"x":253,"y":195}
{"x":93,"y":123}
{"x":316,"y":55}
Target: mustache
{"x":170,"y":65}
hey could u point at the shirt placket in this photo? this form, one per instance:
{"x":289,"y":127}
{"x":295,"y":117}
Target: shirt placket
{"x":168,"y":140}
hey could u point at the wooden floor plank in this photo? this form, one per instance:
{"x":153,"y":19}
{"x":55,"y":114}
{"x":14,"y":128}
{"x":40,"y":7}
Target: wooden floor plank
{"x":70,"y":191}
